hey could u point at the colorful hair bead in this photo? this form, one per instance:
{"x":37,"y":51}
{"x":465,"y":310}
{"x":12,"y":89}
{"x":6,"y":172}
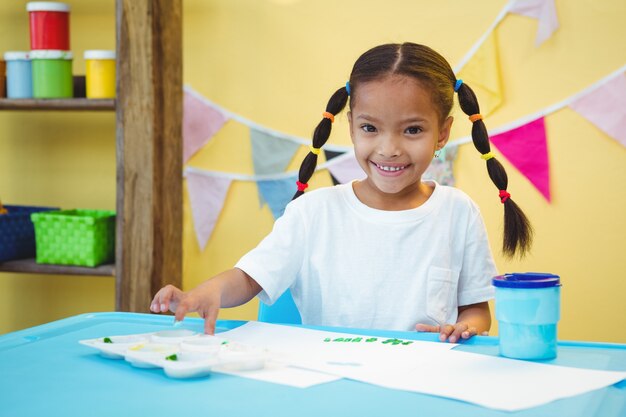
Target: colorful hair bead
{"x":301,"y":186}
{"x":329,"y":116}
{"x":457,"y":85}
{"x":314,"y":150}
{"x":504,"y":195}
{"x":487,"y":156}
{"x":475,"y":117}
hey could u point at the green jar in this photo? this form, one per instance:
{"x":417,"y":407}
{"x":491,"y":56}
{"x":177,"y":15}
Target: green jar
{"x":52,"y":74}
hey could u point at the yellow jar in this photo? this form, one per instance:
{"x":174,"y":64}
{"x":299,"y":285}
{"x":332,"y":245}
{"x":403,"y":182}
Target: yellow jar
{"x":100,"y":77}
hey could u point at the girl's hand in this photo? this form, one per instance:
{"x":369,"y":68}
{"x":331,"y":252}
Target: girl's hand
{"x":167,"y":298}
{"x":450,"y":332}
{"x":201,"y":299}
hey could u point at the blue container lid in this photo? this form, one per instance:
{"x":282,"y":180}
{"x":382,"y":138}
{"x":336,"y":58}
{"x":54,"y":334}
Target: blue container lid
{"x":527,"y":280}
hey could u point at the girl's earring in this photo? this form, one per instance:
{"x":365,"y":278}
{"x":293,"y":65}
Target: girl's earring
{"x":437,"y":153}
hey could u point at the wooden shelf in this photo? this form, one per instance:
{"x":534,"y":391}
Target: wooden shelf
{"x":148,"y":113}
{"x":62,"y":104}
{"x":31,"y":267}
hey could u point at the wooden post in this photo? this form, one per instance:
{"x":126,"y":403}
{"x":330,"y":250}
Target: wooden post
{"x":149,"y":150}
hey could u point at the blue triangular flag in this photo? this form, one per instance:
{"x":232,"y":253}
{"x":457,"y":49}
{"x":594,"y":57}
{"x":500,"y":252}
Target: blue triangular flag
{"x":278,"y":193}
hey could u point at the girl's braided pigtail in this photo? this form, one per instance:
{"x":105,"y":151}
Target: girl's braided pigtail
{"x":518,"y":232}
{"x":335,"y":105}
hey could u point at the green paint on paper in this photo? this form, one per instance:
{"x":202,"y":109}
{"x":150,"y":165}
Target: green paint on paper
{"x":359,"y":339}
{"x":393,"y":341}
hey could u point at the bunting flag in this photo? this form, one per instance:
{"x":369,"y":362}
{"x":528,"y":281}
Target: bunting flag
{"x":278,"y":193}
{"x":522,"y":142}
{"x":482,"y":74}
{"x":605,"y":107}
{"x":477,"y":45}
{"x":346,"y":168}
{"x":208,"y":104}
{"x":440,"y":169}
{"x":331,"y":155}
{"x":544,"y":11}
{"x":525,"y":147}
{"x":207,"y":196}
{"x":270,"y":155}
{"x":200,"y":123}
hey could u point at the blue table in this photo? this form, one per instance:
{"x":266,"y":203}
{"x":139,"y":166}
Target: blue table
{"x":44,"y":371}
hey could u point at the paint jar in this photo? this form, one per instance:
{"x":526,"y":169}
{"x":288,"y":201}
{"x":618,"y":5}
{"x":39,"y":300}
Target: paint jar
{"x":49,"y":25}
{"x":2,"y":78}
{"x":19,"y":76}
{"x":100,"y":75}
{"x":528,"y":310}
{"x":52,"y":74}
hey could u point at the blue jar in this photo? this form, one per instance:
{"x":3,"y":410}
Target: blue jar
{"x":19,"y":75}
{"x":528,"y":311}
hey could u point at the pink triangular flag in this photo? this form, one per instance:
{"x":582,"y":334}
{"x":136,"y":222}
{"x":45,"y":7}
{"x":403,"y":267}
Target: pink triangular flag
{"x":207,"y":196}
{"x":544,"y":11}
{"x":200,"y":123}
{"x":525,"y":147}
{"x":346,"y":169}
{"x":605,"y":107}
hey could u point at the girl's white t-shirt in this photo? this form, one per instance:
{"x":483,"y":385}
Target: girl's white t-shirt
{"x":350,"y":265}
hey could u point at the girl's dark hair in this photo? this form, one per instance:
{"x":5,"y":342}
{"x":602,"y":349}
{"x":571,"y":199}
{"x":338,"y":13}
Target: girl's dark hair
{"x":434,"y":72}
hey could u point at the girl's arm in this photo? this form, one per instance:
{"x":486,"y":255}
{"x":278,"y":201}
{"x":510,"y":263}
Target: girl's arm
{"x":473,"y":319}
{"x":227,"y":289}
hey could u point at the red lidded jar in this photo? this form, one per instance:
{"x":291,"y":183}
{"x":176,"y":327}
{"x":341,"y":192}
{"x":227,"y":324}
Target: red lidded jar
{"x":49,"y":25}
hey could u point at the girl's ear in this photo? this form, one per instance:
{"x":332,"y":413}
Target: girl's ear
{"x":349,"y":114}
{"x":444,"y":132}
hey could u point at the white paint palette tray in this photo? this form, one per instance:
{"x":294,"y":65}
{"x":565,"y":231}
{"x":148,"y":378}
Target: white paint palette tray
{"x":181,"y":353}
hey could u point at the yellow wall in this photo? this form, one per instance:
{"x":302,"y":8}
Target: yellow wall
{"x":276,"y":63}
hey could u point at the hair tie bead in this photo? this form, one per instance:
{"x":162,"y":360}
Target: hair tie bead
{"x":457,"y":85}
{"x":348,"y":87}
{"x":314,"y":150}
{"x":504,"y":195}
{"x":487,"y":156}
{"x":301,"y":186}
{"x":475,"y":117}
{"x":329,"y":116}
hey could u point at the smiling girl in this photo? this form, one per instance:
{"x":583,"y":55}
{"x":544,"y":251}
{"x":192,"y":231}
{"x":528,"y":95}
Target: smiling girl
{"x":391,"y":251}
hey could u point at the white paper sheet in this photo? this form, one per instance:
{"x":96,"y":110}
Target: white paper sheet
{"x":279,"y":373}
{"x":427,"y":367}
{"x":302,"y":342}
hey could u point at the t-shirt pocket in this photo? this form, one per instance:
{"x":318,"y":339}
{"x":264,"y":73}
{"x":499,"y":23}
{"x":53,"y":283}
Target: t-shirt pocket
{"x":441,"y":293}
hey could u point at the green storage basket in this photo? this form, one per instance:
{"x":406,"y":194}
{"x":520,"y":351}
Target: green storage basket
{"x":75,"y":237}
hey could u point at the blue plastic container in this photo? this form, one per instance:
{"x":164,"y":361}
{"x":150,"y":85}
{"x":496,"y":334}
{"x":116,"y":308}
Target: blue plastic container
{"x":19,"y":75}
{"x":528,"y":311}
